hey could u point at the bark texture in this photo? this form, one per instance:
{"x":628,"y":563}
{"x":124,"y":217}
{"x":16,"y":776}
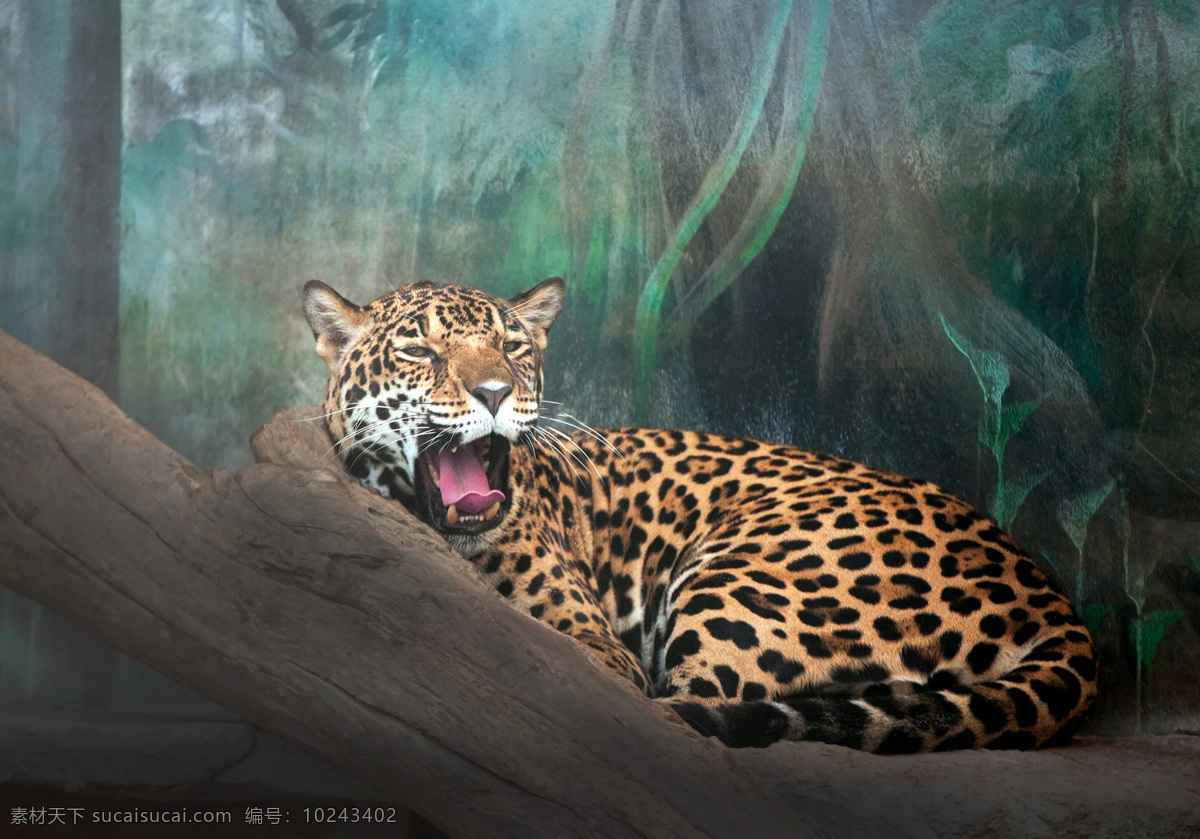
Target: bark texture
{"x":326,"y":614}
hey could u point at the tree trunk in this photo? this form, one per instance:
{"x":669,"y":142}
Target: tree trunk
{"x":60,"y":284}
{"x":320,"y":611}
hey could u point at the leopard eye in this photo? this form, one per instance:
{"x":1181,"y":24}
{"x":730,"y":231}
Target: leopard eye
{"x":417,"y":351}
{"x":513,"y":346}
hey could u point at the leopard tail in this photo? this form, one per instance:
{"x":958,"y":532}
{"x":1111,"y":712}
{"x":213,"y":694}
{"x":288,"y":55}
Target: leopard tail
{"x":1040,"y":702}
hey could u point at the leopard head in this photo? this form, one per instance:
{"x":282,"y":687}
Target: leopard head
{"x":430,"y":387}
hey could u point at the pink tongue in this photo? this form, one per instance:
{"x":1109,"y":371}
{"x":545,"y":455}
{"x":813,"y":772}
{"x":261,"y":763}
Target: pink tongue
{"x":464,"y":481}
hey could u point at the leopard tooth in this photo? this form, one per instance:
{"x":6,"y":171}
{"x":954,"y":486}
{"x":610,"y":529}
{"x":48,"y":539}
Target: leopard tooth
{"x":492,"y":511}
{"x":452,"y":515}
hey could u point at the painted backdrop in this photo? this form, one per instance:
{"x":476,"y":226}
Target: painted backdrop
{"x":958,"y":240}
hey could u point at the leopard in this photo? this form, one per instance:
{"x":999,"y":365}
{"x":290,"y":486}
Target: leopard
{"x":762,"y":592}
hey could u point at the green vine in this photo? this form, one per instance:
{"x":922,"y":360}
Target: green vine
{"x":773,"y":199}
{"x":998,"y":423}
{"x":649,"y":307}
{"x":1074,"y":514}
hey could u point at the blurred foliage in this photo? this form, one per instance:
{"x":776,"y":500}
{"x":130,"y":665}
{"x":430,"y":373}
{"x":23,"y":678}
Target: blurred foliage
{"x":710,"y":191}
{"x":1146,"y":632}
{"x":1075,"y":164}
{"x":1075,"y":514}
{"x":1059,"y":145}
{"x":998,"y":423}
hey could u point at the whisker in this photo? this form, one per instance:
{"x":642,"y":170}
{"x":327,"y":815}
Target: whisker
{"x":368,"y":433}
{"x":374,"y":430}
{"x":554,"y":447}
{"x":560,"y":439}
{"x":587,"y":430}
{"x":541,"y":439}
{"x":321,"y":416}
{"x":401,"y":413}
{"x":566,"y":438}
{"x":367,"y":430}
{"x":431,"y":442}
{"x":572,"y":421}
{"x":527,"y":439}
{"x":521,"y":306}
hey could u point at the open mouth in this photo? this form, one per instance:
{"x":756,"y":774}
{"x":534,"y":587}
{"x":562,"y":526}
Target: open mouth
{"x":463,"y":489}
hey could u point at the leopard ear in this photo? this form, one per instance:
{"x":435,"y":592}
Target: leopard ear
{"x":538,"y":307}
{"x":336,"y":322}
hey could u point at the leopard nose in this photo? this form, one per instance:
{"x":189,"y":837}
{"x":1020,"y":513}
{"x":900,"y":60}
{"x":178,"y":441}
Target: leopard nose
{"x":492,"y":394}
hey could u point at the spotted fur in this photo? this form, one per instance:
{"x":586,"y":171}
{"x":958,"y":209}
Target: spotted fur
{"x":763,"y":591}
